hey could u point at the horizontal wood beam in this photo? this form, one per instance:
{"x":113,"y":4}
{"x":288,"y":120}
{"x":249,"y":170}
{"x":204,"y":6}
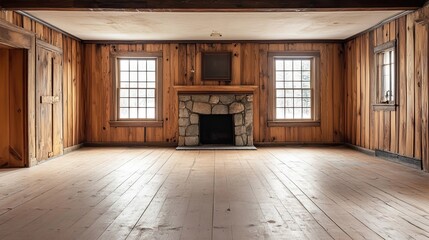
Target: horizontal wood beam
{"x":212,"y":5}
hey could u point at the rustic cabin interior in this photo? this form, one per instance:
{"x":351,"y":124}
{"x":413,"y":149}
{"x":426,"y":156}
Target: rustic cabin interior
{"x":238,"y":119}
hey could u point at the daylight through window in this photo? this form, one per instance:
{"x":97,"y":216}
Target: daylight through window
{"x":293,"y":88}
{"x":137,"y":88}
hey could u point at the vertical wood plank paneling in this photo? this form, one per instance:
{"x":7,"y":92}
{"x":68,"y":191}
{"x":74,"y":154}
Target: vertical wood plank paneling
{"x":4,"y":106}
{"x":410,"y":87}
{"x":422,"y":67}
{"x":402,"y":131}
{"x":402,"y":44}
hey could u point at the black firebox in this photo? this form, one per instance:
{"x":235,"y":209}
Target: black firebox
{"x":216,"y":129}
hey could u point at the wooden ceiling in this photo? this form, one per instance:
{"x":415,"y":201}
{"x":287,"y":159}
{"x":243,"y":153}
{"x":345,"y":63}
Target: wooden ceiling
{"x":213,"y":5}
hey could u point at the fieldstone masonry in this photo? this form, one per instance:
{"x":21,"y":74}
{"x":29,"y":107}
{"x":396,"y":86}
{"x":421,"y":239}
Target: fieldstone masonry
{"x":239,"y":105}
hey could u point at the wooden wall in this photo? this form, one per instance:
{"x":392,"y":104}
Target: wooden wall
{"x":12,"y":108}
{"x":250,"y":67}
{"x":73,"y":94}
{"x":403,"y":131}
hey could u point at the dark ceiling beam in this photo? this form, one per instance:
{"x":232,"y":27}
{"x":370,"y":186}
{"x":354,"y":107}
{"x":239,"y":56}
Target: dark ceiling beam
{"x":212,"y":5}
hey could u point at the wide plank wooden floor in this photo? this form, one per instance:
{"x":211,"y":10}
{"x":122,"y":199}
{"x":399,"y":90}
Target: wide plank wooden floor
{"x":161,"y":193}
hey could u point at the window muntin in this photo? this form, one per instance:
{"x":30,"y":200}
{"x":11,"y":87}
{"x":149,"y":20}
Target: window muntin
{"x":293,"y":89}
{"x":386,"y":76}
{"x":137,"y":88}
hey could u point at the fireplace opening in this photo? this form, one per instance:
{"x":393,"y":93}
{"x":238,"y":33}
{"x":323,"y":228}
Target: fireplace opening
{"x":216,"y":129}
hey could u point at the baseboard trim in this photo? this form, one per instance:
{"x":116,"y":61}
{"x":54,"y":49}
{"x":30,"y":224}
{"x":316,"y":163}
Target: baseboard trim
{"x":73,"y":148}
{"x":130,"y":144}
{"x":361,"y":149}
{"x":391,"y":157}
{"x":297,"y":144}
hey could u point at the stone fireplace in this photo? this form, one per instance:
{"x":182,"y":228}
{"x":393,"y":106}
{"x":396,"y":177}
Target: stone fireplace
{"x":238,"y":106}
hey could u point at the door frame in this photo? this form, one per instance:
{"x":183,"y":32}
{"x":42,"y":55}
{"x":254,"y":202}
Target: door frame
{"x":16,"y":37}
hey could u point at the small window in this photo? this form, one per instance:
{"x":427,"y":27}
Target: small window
{"x":385,"y":59}
{"x":137,"y":88}
{"x":294,"y":88}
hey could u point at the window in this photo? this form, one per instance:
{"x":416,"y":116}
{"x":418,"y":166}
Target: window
{"x":385,"y":59}
{"x":294,"y":87}
{"x":137,"y":88}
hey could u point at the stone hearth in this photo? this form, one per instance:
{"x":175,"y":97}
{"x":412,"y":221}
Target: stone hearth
{"x":192,"y":105}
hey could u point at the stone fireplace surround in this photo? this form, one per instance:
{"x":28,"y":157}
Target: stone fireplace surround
{"x":192,"y":105}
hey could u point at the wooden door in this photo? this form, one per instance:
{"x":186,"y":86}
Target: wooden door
{"x":49,"y":135}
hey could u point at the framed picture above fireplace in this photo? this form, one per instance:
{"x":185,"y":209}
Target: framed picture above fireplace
{"x":216,"y":66}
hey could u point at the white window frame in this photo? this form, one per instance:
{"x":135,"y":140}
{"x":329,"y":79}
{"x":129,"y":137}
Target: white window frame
{"x":314,"y":81}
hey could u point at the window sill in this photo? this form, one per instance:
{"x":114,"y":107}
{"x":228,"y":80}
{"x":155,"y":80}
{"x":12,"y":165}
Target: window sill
{"x":136,"y":123}
{"x":384,"y":107}
{"x":293,"y":124}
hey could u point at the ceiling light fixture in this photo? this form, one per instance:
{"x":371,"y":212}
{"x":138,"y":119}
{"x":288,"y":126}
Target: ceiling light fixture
{"x":215,"y":34}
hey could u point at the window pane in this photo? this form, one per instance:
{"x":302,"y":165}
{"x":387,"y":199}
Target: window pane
{"x":306,"y":93}
{"x":133,"y":102}
{"x":142,"y":102}
{"x":133,"y":112}
{"x":279,"y":65}
{"x":297,"y":65}
{"x":142,"y":65}
{"x":151,"y":102}
{"x":288,"y":64}
{"x":289,"y":113}
{"x":289,"y":102}
{"x":124,"y":65}
{"x":125,"y":76}
{"x":306,"y":64}
{"x":133,"y":76}
{"x":280,"y":113}
{"x":289,"y":93}
{"x":297,"y":113}
{"x":142,"y":93}
{"x":297,"y":102}
{"x":133,"y":65}
{"x":297,"y":93}
{"x":151,"y":113}
{"x":133,"y":92}
{"x":123,"y":113}
{"x":297,"y":76}
{"x":133,"y":85}
{"x":306,"y":76}
{"x":142,"y":76}
{"x":288,"y":76}
{"x":142,"y":112}
{"x":306,"y":102}
{"x":150,"y":65}
{"x":306,"y":85}
{"x":279,"y":76}
{"x":151,"y":92}
{"x":123,"y":93}
{"x":142,"y":85}
{"x":297,"y":84}
{"x":125,"y":84}
{"x":288,"y":84}
{"x":280,"y":93}
{"x":280,"y":102}
{"x":280,"y":84}
{"x":151,"y":76}
{"x":123,"y":102}
{"x":151,"y":85}
{"x":306,"y":113}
